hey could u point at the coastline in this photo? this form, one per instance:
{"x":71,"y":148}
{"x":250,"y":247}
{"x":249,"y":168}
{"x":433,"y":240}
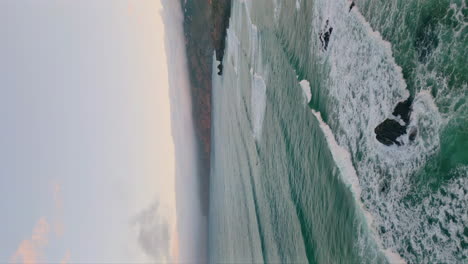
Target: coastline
{"x":205,"y":25}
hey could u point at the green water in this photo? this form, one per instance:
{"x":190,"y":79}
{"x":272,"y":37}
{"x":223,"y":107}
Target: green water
{"x":430,"y":40}
{"x":297,"y":181}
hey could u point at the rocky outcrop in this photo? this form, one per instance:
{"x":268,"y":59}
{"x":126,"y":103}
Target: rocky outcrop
{"x":221,"y":15}
{"x":325,"y":35}
{"x":391,"y":129}
{"x":205,"y":25}
{"x":388,"y":131}
{"x":403,"y":110}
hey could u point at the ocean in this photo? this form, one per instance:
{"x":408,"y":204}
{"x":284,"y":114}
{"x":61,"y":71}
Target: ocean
{"x":297,"y":174}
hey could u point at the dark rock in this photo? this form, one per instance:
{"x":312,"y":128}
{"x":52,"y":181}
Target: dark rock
{"x":220,"y":15}
{"x":388,"y":131}
{"x":351,"y":6}
{"x":413,"y":134}
{"x":383,"y":230}
{"x":403,"y":109}
{"x":325,"y":36}
{"x":384,"y":186}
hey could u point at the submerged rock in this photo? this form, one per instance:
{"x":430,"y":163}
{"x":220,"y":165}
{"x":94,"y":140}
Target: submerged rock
{"x":220,"y":68}
{"x":413,"y":134}
{"x":325,"y":36}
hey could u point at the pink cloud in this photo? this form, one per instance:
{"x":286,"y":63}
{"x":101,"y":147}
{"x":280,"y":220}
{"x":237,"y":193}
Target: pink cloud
{"x":30,"y":250}
{"x":66,"y":259}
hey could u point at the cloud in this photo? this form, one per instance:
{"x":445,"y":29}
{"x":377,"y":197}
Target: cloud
{"x":66,"y":259}
{"x":57,"y":189}
{"x":30,"y":250}
{"x":175,"y":246}
{"x":58,"y":201}
{"x":153,"y":233}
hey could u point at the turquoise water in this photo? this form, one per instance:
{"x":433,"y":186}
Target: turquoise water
{"x":297,"y":174}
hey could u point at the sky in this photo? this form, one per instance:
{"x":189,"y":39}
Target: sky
{"x":87,"y":154}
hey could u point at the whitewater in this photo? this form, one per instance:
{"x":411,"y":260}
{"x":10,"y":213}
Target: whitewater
{"x":298,"y":174}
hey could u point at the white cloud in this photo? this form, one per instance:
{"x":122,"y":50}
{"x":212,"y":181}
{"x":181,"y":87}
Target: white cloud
{"x":154,"y":233}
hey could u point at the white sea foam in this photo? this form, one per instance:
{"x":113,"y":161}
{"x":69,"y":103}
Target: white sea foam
{"x":342,"y":159}
{"x":258,"y":104}
{"x":252,"y":42}
{"x":250,"y":46}
{"x":233,"y":49}
{"x":243,"y":38}
{"x":448,"y":209}
{"x":298,"y":5}
{"x":364,"y":86}
{"x":305,"y":85}
{"x":277,"y":9}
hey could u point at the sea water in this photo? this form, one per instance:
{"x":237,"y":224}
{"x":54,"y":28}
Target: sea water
{"x":297,"y":173}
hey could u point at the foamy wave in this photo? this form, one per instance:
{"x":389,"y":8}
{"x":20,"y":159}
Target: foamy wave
{"x":298,"y":5}
{"x":250,"y":47}
{"x":342,"y":159}
{"x":448,"y":211}
{"x":364,"y":85}
{"x":233,"y":49}
{"x":258,"y":104}
{"x":305,"y":85}
{"x":277,"y":9}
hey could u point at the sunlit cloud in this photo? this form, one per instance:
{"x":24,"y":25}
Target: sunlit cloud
{"x":174,"y":255}
{"x":66,"y":259}
{"x":30,"y":251}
